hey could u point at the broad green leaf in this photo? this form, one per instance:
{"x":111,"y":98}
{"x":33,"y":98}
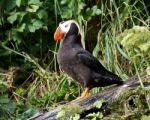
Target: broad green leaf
{"x":34,"y":2}
{"x":10,"y":4}
{"x":76,"y":117}
{"x":99,"y":103}
{"x":32,"y":8}
{"x":3,"y":85}
{"x":18,"y":3}
{"x":4,"y":99}
{"x":67,"y":14}
{"x":13,"y":17}
{"x":21,"y":28}
{"x":16,"y":36}
{"x":88,"y":14}
{"x":63,"y":2}
{"x":37,"y":23}
{"x":21,"y":16}
{"x":95,"y":116}
{"x":42,"y":14}
{"x":80,"y":7}
{"x":31,"y":28}
{"x":45,"y":28}
{"x":96,"y":11}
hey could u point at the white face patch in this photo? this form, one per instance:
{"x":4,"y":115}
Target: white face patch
{"x":65,"y":26}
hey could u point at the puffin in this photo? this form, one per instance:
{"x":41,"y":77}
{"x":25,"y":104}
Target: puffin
{"x":78,"y":63}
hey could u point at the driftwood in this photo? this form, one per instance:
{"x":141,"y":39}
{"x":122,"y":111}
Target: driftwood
{"x":109,"y":95}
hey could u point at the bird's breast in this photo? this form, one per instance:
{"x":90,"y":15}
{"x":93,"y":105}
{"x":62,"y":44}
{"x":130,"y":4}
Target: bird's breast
{"x":69,"y":63}
{"x":66,"y":55}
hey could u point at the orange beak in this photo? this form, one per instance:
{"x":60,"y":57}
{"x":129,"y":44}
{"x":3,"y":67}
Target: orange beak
{"x":58,"y":34}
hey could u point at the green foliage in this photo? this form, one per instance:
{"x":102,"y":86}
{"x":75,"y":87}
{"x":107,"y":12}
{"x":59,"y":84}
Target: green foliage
{"x":90,"y":12}
{"x":51,"y":90}
{"x":136,"y":38}
{"x":116,"y":17}
{"x":7,"y":107}
{"x":96,"y":115}
{"x":25,"y":29}
{"x":29,"y":18}
{"x":69,"y":112}
{"x":146,"y":117}
{"x":98,"y":104}
{"x":10,"y":109}
{"x":137,"y":42}
{"x":78,"y":10}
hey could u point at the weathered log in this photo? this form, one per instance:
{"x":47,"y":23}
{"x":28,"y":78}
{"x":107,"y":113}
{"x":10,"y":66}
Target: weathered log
{"x":109,"y":95}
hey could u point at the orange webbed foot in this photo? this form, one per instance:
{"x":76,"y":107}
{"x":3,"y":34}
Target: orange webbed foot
{"x":84,"y":94}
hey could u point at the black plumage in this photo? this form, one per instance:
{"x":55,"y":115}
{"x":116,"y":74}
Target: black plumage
{"x":81,"y":65}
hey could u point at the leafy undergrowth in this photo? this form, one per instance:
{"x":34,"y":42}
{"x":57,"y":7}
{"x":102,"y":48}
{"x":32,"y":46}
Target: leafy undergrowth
{"x":19,"y":103}
{"x":22,"y":100}
{"x":133,"y":104}
{"x":11,"y":109}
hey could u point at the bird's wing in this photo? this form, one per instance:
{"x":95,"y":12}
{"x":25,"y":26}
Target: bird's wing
{"x":90,"y":61}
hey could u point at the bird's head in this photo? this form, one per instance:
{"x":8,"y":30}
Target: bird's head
{"x":69,"y":27}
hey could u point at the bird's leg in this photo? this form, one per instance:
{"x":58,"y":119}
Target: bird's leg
{"x":84,"y":93}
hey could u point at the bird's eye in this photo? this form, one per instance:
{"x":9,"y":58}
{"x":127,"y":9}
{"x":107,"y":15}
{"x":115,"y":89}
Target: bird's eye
{"x":66,"y":25}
